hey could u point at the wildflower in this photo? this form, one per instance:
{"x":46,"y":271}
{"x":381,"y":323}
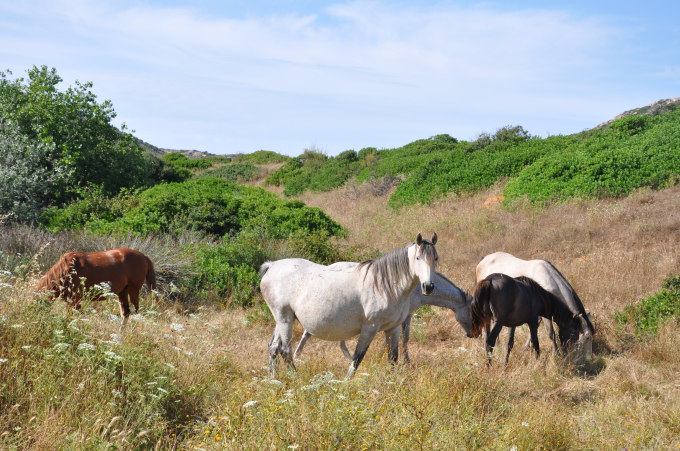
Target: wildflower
{"x":3,"y":360}
{"x":249,"y":404}
{"x":176,"y":327}
{"x":462,"y":349}
{"x":112,"y":355}
{"x":26,"y":348}
{"x":171,"y":366}
{"x":5,"y":285}
{"x":115,"y":337}
{"x":274,"y":382}
{"x":162,"y":390}
{"x":3,"y":319}
{"x":5,"y":274}
{"x":104,"y":286}
{"x":117,"y":393}
{"x":293,"y":446}
{"x":525,"y":424}
{"x":62,"y":347}
{"x":86,"y":347}
{"x":17,"y":326}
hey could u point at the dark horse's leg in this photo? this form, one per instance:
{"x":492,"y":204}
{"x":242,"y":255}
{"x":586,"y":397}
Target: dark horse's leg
{"x":492,"y":337}
{"x":134,"y":295}
{"x":508,"y":346}
{"x":533,"y":329}
{"x":550,"y":330}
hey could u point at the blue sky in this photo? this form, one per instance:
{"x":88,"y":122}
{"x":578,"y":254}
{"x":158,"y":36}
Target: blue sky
{"x":240,"y":76}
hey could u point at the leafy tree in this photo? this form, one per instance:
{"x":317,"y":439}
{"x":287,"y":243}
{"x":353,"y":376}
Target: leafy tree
{"x":74,"y":133}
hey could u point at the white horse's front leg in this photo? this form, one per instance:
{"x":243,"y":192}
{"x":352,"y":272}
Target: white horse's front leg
{"x":392,"y":337}
{"x":366,"y":336}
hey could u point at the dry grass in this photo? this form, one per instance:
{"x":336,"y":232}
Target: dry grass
{"x":614,"y":253}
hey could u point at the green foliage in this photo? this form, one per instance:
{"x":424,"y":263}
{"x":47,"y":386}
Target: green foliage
{"x":182,"y":162}
{"x":262,"y":157}
{"x":27,"y":184}
{"x":237,"y":172}
{"x":210,"y":206}
{"x":75,"y":131}
{"x":647,"y":315}
{"x":632,"y":152}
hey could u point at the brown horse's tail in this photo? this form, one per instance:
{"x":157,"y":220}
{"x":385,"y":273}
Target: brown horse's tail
{"x":479,"y":308}
{"x":150,"y":274}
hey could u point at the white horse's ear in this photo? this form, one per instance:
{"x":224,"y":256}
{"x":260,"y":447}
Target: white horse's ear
{"x":419,"y":239}
{"x":434,"y":238}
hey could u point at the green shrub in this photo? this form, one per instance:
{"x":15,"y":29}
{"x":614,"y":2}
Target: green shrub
{"x":646,"y":315}
{"x":262,"y":157}
{"x":238,"y":172}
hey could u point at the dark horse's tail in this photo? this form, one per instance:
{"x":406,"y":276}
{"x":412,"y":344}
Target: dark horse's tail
{"x":481,"y":312}
{"x":150,"y":274}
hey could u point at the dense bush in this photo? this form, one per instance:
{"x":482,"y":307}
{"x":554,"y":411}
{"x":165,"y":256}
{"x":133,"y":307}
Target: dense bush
{"x":647,"y":315}
{"x":211,"y":206}
{"x":182,"y":162}
{"x":632,"y":152}
{"x":262,"y":157}
{"x":237,"y":172}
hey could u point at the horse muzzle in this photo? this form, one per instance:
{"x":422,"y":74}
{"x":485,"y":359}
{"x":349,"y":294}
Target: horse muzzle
{"x":428,"y":288}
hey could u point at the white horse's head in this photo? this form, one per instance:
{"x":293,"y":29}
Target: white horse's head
{"x":423,"y":257}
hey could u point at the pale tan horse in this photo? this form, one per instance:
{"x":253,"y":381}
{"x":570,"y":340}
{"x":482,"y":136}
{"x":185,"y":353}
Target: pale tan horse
{"x":548,"y":277}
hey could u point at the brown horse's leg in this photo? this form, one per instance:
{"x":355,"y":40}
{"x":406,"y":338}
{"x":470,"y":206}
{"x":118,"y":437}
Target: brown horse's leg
{"x":124,"y":305}
{"x":134,"y":296}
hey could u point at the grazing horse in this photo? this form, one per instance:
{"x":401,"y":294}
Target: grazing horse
{"x":446,"y":294}
{"x":551,"y":279}
{"x":125,"y":270}
{"x":512,"y":302}
{"x":338,"y":305}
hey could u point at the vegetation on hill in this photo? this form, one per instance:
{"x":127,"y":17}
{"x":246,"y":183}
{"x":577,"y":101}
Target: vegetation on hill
{"x":54,"y":143}
{"x":611,"y":161}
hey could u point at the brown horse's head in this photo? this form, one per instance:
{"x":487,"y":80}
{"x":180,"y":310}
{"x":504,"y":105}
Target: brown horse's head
{"x":58,"y":279}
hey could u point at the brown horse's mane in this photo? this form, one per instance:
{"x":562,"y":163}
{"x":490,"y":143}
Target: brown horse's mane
{"x":56,"y":275}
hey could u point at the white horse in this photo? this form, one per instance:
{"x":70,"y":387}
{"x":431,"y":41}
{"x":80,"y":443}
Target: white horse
{"x":552,"y":281}
{"x":446,"y":294}
{"x":338,"y":305}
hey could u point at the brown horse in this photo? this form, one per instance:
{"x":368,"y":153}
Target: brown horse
{"x":125,"y":270}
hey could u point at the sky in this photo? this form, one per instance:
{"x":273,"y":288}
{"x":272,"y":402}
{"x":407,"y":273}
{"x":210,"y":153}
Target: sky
{"x":240,"y":76}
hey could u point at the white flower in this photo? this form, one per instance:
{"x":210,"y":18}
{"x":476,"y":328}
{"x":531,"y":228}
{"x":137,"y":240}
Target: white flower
{"x":177,"y":327}
{"x":274,"y":382}
{"x":249,"y":404}
{"x":525,"y":424}
{"x":162,"y":390}
{"x":17,"y":326}
{"x":112,"y":355}
{"x":342,"y":397}
{"x":26,"y":348}
{"x":5,"y":274}
{"x":293,"y":446}
{"x":462,"y":349}
{"x":5,"y":285}
{"x":116,"y":338}
{"x":171,"y":366}
{"x":62,"y":347}
{"x":86,"y":347}
{"x":3,"y":360}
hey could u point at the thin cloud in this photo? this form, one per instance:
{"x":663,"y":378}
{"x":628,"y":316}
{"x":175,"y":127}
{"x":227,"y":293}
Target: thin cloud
{"x":335,"y":71}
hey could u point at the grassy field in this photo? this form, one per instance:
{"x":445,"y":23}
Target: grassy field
{"x":187,"y":375}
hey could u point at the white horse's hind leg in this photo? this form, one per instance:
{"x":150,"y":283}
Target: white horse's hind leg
{"x":280,"y":342}
{"x":345,"y":351}
{"x":301,"y":345}
{"x":365,"y":338}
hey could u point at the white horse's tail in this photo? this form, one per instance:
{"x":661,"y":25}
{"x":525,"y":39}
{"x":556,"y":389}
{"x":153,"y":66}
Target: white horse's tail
{"x":265,"y":266}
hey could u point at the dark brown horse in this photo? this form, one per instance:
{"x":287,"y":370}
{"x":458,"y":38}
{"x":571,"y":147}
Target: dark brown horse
{"x":512,"y":302}
{"x":125,"y":270}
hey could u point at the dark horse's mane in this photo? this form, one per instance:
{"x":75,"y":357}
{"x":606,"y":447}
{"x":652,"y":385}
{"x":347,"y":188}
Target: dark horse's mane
{"x":392,"y":265}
